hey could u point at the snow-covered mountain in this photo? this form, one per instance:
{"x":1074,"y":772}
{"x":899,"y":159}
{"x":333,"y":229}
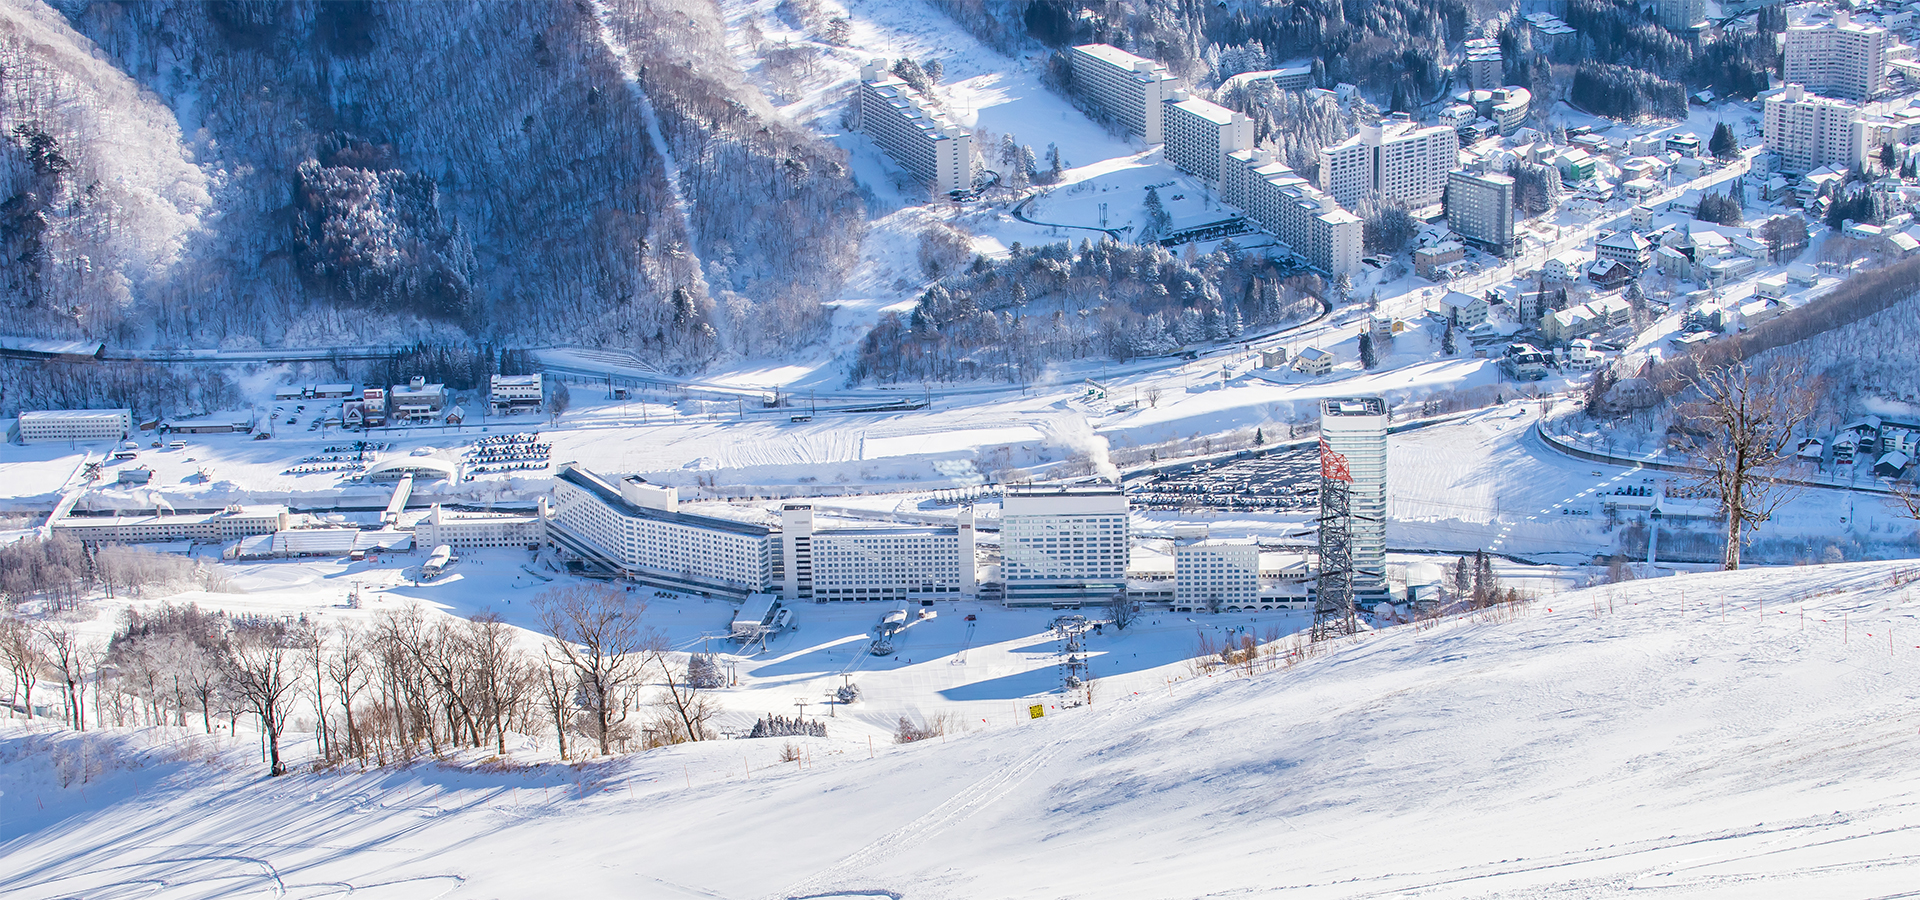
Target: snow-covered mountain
{"x":322,"y":173}
{"x":1742,"y":734}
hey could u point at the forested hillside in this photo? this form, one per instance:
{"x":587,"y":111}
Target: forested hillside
{"x":257,"y":171}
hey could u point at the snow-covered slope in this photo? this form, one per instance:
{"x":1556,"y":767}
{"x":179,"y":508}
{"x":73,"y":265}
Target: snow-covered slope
{"x":1729,"y":735}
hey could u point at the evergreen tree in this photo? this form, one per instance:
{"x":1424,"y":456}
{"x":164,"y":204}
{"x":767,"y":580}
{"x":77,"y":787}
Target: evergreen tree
{"x":1447,"y":345}
{"x":1368,"y":358}
{"x":1485,"y":586}
{"x":704,"y":673}
{"x":1723,"y":145}
{"x":1460,"y":579}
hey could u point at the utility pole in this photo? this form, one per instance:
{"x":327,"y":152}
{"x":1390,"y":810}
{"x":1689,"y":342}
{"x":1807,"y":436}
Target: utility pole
{"x":802,"y":703}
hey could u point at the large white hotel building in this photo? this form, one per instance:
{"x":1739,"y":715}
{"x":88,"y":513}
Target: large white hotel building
{"x":1292,"y":209}
{"x":1838,"y":57}
{"x":881,"y":563}
{"x":1129,"y":88}
{"x":913,"y":130}
{"x":1200,"y":134}
{"x":1810,"y":131}
{"x":46,"y":426}
{"x":1063,"y":546}
{"x":1395,"y":161}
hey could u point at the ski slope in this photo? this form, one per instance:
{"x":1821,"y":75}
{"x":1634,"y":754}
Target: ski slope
{"x":1740,"y":734}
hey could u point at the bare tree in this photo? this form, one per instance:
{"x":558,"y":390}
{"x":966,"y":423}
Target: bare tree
{"x":1747,"y":418}
{"x":69,"y":663}
{"x":264,"y":670}
{"x":555,"y":684}
{"x":682,"y":709}
{"x":1121,"y":610}
{"x":20,"y":650}
{"x":349,"y":670}
{"x":502,"y":677}
{"x":596,"y":632}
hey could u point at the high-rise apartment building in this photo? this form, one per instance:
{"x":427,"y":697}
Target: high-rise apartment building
{"x":912,"y":129}
{"x":637,"y":530}
{"x":1838,"y":57}
{"x":1356,"y":428}
{"x":1129,"y":88}
{"x":1809,"y":131}
{"x":1681,"y":15}
{"x":1291,"y":209}
{"x":1199,"y":134}
{"x":1216,"y":575}
{"x":1394,"y":161}
{"x":1063,"y":546}
{"x":1485,"y":66}
{"x":1480,"y":210}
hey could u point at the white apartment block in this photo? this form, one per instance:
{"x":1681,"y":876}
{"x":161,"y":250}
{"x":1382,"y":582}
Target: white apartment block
{"x":1216,"y":575}
{"x":1356,"y":428}
{"x":1838,"y":57}
{"x":1062,"y":547}
{"x":913,"y":130}
{"x":1200,"y":134}
{"x":1480,"y":210}
{"x":1810,"y":131}
{"x":637,"y":530}
{"x":516,"y":393}
{"x":232,"y":523}
{"x":469,"y":530}
{"x":1292,"y":210}
{"x":417,"y":400}
{"x":1681,"y":15}
{"x":1129,"y":88}
{"x":50,"y":425}
{"x":1394,"y":161}
{"x":874,"y":563}
{"x":1485,"y":67}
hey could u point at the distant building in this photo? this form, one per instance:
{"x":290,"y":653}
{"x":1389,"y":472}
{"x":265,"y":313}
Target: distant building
{"x":472,"y":530}
{"x":636,"y":529}
{"x":52,"y":425}
{"x":1838,"y":57}
{"x":1506,"y":107}
{"x":912,"y":129}
{"x":1313,"y":361}
{"x":417,"y":400}
{"x":1464,"y":310}
{"x":1356,"y":428}
{"x":874,"y":563}
{"x":1200,"y":134}
{"x":1428,"y":261}
{"x":1293,"y":210}
{"x":1480,"y":210}
{"x":1063,"y":546}
{"x":1810,"y":131}
{"x":229,"y":524}
{"x":1130,"y":89}
{"x":516,"y":394}
{"x":1681,"y":15}
{"x":1394,"y":161}
{"x":1628,"y":247}
{"x":1484,"y":66}
{"x":1216,"y":575}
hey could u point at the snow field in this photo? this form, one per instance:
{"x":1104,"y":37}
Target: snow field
{"x":1596,"y":743}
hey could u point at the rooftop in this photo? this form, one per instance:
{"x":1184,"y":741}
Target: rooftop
{"x":610,"y":495}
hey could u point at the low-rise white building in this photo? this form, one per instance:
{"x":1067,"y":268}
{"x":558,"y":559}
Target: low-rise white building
{"x":473,"y":530}
{"x":516,"y":393}
{"x":208,"y":528}
{"x":54,"y":425}
{"x":416,"y":400}
{"x":1313,"y":361}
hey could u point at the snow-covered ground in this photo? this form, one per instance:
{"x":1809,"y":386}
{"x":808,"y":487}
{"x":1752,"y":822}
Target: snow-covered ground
{"x":1721,"y":735}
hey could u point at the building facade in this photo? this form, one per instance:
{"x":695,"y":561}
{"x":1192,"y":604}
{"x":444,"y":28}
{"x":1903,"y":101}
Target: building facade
{"x":229,"y":524}
{"x":912,"y":129}
{"x":1292,"y":210}
{"x":54,"y":425}
{"x":516,"y":394}
{"x":1356,"y":428}
{"x":1063,"y":546}
{"x":1809,"y":131}
{"x":1838,"y":57}
{"x":1681,"y":15}
{"x":874,"y":563}
{"x":1394,"y":161}
{"x":1200,"y":134}
{"x":1480,"y":210}
{"x":1130,"y":89}
{"x":468,"y":531}
{"x":1216,"y":575}
{"x":636,"y":529}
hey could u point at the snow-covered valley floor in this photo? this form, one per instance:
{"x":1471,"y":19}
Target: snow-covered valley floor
{"x":1741,"y":734}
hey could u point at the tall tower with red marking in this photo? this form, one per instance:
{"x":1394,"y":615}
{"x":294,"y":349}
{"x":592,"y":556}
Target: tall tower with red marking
{"x":1353,"y":510}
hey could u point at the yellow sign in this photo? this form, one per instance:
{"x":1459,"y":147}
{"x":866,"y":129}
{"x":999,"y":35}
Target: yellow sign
{"x":1036,"y":711}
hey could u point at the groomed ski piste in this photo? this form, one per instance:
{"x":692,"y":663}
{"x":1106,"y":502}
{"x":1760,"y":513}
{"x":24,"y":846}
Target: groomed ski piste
{"x":1746,"y":734}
